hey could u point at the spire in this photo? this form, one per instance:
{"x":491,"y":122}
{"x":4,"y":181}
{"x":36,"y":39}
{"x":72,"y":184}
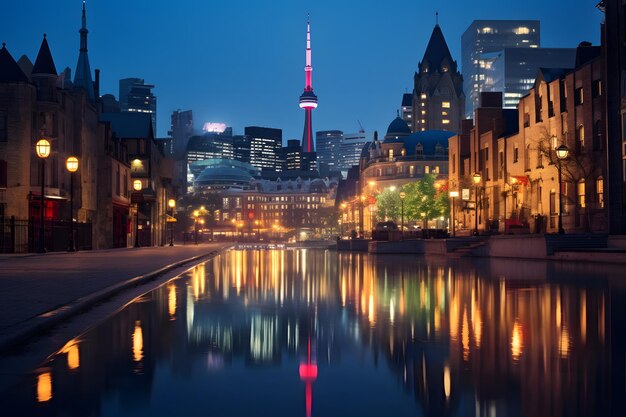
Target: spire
{"x":308,"y":68}
{"x":10,"y":72}
{"x":437,"y":18}
{"x":44,"y":64}
{"x":436,"y":51}
{"x":82,"y":77}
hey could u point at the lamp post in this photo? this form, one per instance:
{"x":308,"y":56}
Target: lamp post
{"x":424,"y":224}
{"x":361,"y":214}
{"x":453,"y":195}
{"x":43,"y":151}
{"x":137,"y":186}
{"x":561,"y":153}
{"x":72,"y":166}
{"x":196,"y":213}
{"x":343,"y":208}
{"x":171,"y":203}
{"x":402,"y":197}
{"x":476,"y":178}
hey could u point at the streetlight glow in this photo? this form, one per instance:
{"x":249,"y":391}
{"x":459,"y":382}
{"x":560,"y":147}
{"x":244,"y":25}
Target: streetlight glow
{"x":171,"y":203}
{"x":72,"y":164}
{"x":137,"y":186}
{"x":43,"y":148}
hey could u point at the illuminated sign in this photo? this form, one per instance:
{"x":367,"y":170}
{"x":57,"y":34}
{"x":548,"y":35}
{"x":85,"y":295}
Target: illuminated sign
{"x":211,"y":127}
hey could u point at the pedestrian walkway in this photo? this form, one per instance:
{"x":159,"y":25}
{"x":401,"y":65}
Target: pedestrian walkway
{"x":32,"y":286}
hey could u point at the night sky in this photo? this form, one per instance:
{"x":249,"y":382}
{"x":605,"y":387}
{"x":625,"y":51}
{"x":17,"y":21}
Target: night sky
{"x":242,"y":62}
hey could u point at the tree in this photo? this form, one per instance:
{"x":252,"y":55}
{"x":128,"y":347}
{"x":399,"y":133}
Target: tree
{"x":423,"y":197}
{"x":388,"y":205}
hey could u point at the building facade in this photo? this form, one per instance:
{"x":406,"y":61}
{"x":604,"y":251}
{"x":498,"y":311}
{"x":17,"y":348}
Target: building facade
{"x":328,"y":144}
{"x":438,"y":98}
{"x":484,"y":37}
{"x":136,"y":97}
{"x":350,"y":150}
{"x":265,"y":145}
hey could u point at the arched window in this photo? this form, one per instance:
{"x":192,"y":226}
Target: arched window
{"x":439,"y":149}
{"x":600,"y":191}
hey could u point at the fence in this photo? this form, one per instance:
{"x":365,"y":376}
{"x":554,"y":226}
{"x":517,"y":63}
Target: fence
{"x":18,"y":236}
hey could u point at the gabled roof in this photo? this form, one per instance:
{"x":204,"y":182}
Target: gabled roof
{"x":129,"y":125}
{"x":44,"y":64}
{"x":437,"y":50}
{"x":10,"y":72}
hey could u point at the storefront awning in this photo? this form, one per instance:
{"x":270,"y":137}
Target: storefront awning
{"x":519,"y":179}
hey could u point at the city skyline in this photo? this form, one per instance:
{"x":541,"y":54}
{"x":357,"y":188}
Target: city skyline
{"x":259,"y":59}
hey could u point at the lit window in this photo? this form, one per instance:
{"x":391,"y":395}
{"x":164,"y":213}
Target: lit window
{"x":444,"y":113}
{"x":423,"y":121}
{"x":445,"y":121}
{"x":600,"y":191}
{"x":487,"y":30}
{"x":581,"y":193}
{"x":423,"y":96}
{"x":445,"y":104}
{"x":423,"y":111}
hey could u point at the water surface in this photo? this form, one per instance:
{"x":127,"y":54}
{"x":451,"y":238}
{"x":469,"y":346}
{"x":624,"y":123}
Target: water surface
{"x":312,"y":332}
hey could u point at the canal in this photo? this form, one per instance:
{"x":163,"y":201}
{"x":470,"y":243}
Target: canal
{"x":321,"y":333}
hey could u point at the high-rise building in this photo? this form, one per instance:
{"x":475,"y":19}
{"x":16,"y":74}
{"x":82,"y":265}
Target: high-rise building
{"x":265,"y":145}
{"x":181,"y":131}
{"x":328,"y":143}
{"x":82,"y":78}
{"x":485,"y":37}
{"x":513,"y":70}
{"x":291,"y":156}
{"x":350,"y":150}
{"x":438,"y":99}
{"x":211,"y":145}
{"x":241,"y":148}
{"x":407,"y":108}
{"x":136,"y":97}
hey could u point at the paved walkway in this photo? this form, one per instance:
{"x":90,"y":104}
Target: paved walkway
{"x":32,"y":285}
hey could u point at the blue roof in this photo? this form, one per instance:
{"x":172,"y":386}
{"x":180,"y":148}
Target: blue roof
{"x":224,"y":175}
{"x":397,"y":127}
{"x":428,"y":139}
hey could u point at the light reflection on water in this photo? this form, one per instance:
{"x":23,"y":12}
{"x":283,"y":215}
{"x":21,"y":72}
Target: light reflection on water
{"x":302,"y":332}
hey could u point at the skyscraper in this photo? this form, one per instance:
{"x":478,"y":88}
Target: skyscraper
{"x":308,"y":99}
{"x":438,"y":99}
{"x":488,"y":36}
{"x":136,"y":97}
{"x":350,"y":150}
{"x":265,"y":145}
{"x":328,"y":143}
{"x":82,"y":78}
{"x":181,"y":131}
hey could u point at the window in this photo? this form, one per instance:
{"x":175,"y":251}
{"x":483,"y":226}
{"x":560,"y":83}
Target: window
{"x":419,"y":150}
{"x":579,"y":96}
{"x":454,"y":163}
{"x":527,"y":158}
{"x":427,"y":169}
{"x":600,"y":192}
{"x":540,"y":156}
{"x":439,"y":149}
{"x":445,"y":121}
{"x":597,"y":135}
{"x":580,"y":138}
{"x":423,"y":96}
{"x":117,"y":180}
{"x":515,"y":154}
{"x":390,"y":153}
{"x":445,"y":104}
{"x":501,"y":164}
{"x":580,"y":191}
{"x":3,"y":174}
{"x":4,"y":137}
{"x":553,"y":202}
{"x":596,"y":88}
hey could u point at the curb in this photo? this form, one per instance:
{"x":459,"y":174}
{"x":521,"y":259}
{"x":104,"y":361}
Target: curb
{"x":49,"y":319}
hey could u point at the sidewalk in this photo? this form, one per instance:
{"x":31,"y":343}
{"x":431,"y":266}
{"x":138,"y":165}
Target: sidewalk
{"x":36,"y":288}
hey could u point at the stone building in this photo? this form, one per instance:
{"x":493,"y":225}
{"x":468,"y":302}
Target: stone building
{"x":519,"y":182}
{"x":438,"y":98}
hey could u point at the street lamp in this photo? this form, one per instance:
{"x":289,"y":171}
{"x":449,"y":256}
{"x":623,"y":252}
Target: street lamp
{"x":424,"y":224}
{"x":561,"y":153}
{"x":402,"y":197}
{"x":42,"y":147}
{"x":196,"y":213}
{"x":171,"y":203}
{"x":343,"y":207}
{"x":72,"y":166}
{"x":476,"y":178}
{"x":137,"y":186}
{"x":453,"y":195}
{"x":361,"y":214}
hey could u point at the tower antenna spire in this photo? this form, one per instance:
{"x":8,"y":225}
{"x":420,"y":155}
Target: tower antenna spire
{"x":437,"y":18}
{"x":308,"y":99}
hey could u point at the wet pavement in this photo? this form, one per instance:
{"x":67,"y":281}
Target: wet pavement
{"x":314,"y":332}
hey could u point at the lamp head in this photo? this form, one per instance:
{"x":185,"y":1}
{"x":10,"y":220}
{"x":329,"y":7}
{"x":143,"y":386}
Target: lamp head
{"x":137,"y":186}
{"x":562,"y":152}
{"x":171,"y":203}
{"x":72,"y":164}
{"x":42,"y":147}
{"x":476,"y":178}
{"x":402,"y":195}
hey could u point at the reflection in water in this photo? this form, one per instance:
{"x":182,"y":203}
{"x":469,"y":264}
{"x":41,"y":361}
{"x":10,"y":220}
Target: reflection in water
{"x":44,"y":387}
{"x":389,"y":336}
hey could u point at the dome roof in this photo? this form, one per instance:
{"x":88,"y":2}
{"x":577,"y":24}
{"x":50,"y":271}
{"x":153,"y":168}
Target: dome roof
{"x":318,"y":186}
{"x":397,"y":129}
{"x":224,"y":176}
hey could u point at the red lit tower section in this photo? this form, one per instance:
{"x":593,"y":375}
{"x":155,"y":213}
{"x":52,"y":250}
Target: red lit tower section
{"x":308,"y":99}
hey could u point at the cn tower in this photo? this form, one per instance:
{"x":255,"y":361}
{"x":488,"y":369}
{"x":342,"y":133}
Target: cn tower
{"x":308,"y":99}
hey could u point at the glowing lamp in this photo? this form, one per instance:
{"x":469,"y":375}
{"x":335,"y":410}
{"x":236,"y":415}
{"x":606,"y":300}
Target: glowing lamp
{"x":137,"y":186}
{"x":171,"y":203}
{"x":454,"y":194}
{"x":72,"y":164}
{"x":562,"y":152}
{"x":196,"y":213}
{"x":402,"y":195}
{"x":42,"y":148}
{"x":476,"y":178}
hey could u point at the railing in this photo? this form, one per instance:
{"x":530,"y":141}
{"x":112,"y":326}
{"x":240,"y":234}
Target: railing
{"x":18,"y":236}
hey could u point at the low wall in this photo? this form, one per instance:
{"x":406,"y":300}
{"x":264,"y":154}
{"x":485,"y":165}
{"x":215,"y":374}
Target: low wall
{"x":617,"y":242}
{"x":517,"y":246}
{"x":352,"y":245}
{"x":403,"y":246}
